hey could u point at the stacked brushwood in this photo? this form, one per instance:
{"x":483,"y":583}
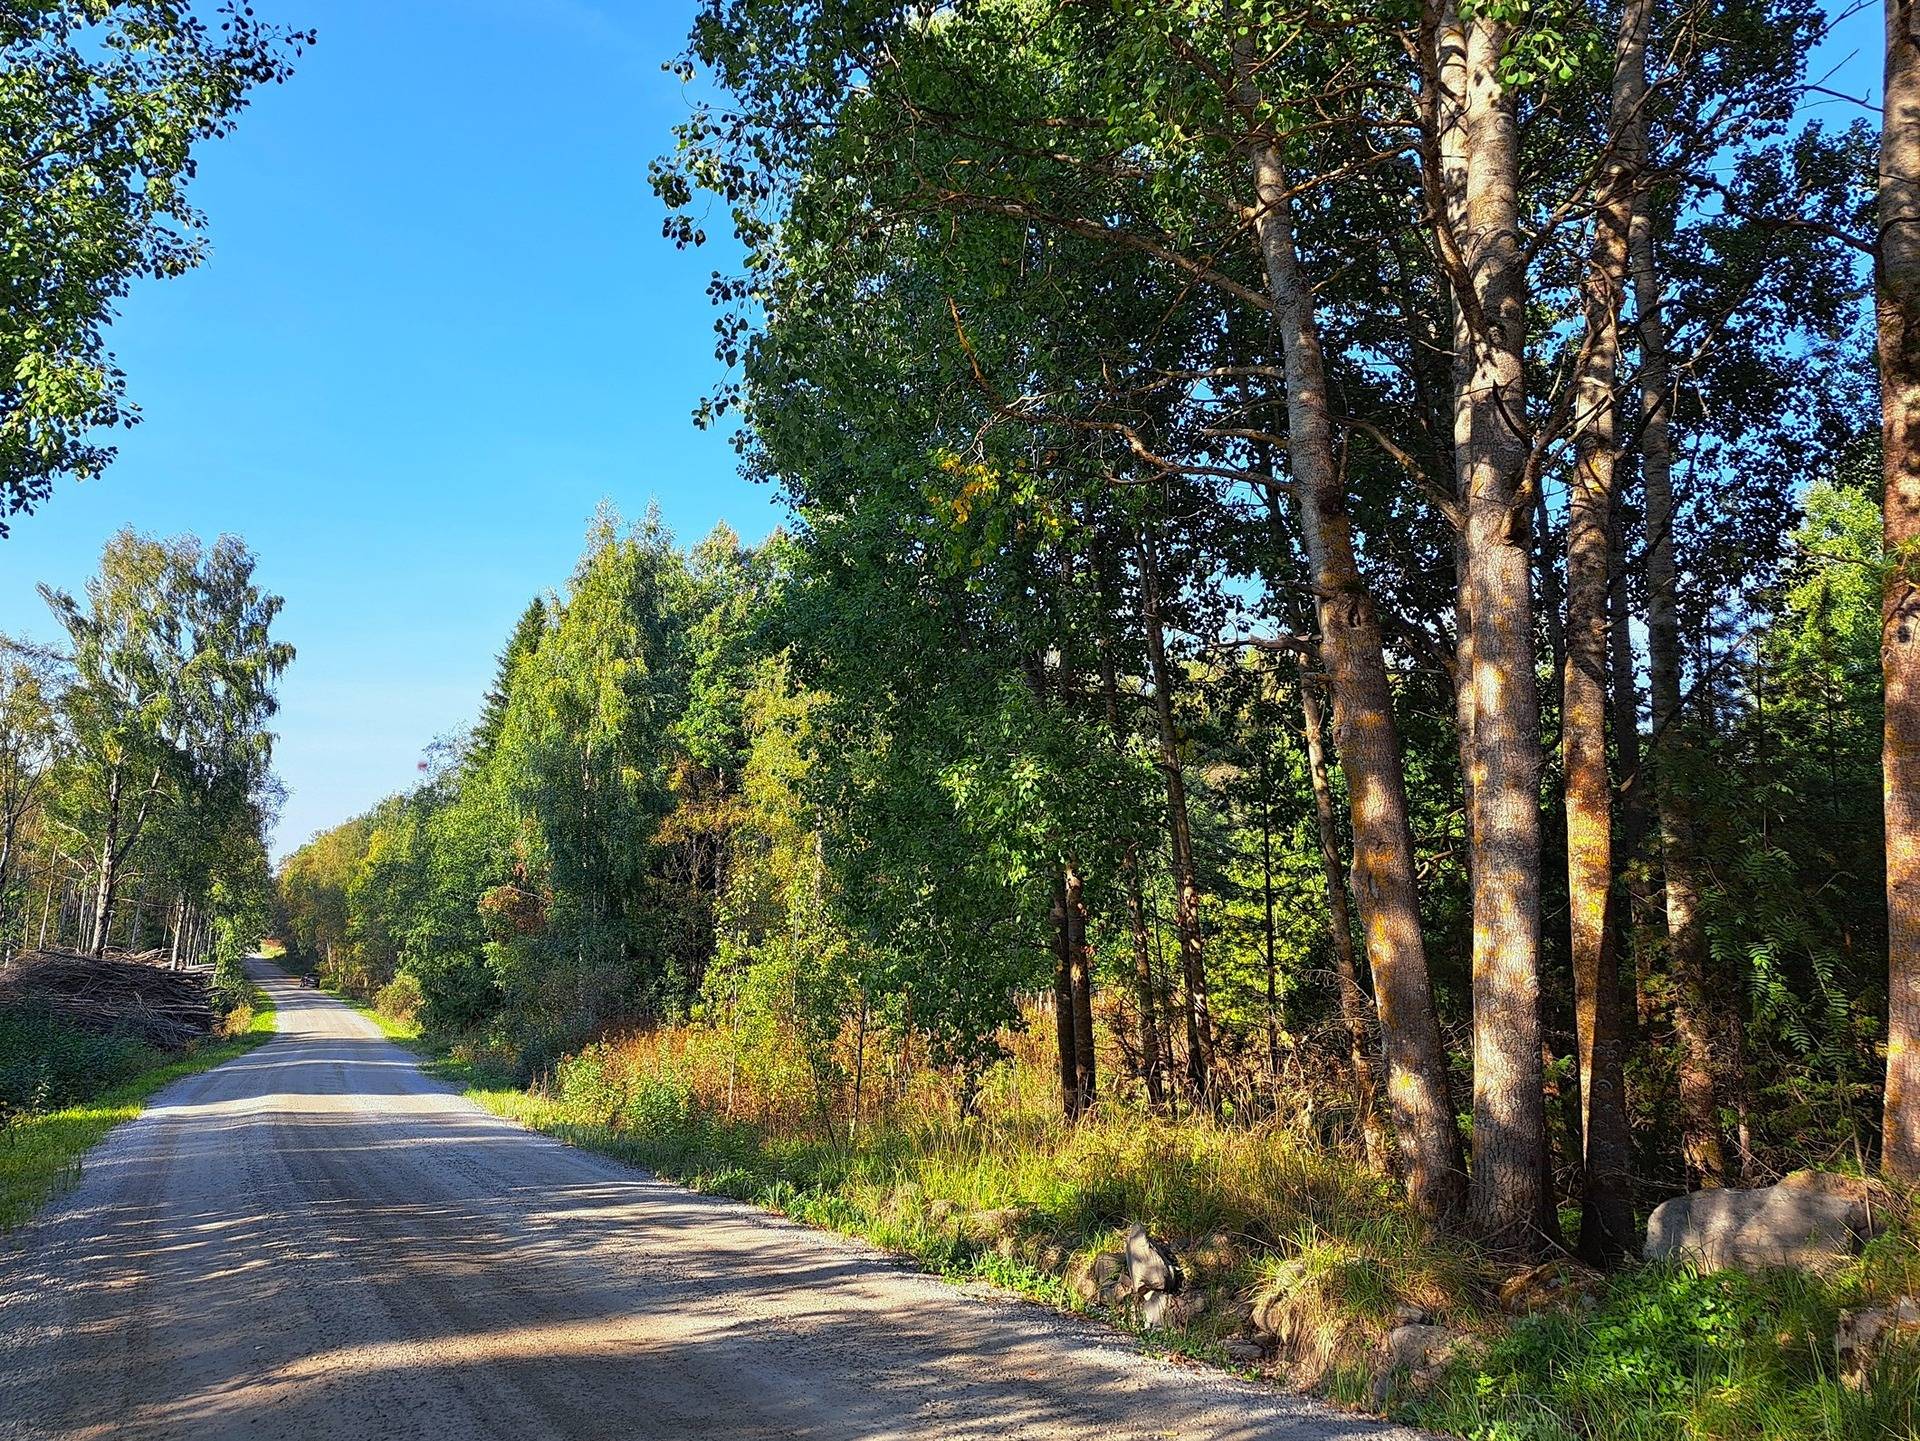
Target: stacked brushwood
{"x":118,"y":995}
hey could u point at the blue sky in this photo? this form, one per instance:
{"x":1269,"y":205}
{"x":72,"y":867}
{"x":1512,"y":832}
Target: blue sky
{"x":438,"y":325}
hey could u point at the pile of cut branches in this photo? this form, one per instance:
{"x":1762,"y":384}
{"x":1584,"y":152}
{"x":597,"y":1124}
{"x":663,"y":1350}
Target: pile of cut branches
{"x":118,"y":996}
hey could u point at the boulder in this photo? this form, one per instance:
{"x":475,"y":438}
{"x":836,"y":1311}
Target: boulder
{"x":1864,"y":1334}
{"x":1150,"y":1264}
{"x":1103,"y":1280}
{"x":1413,"y":1354}
{"x":1809,"y":1221}
{"x":1243,"y":1351}
{"x":1271,"y":1308}
{"x":1158,"y":1309}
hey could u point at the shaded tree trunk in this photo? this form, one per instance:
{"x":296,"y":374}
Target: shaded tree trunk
{"x":1606,"y":1226}
{"x":1186,"y":906}
{"x":1353,"y":1001}
{"x":1080,"y":955}
{"x":1701,"y":1142}
{"x":1899,"y":326}
{"x":1365,"y":734}
{"x":1063,"y":1010}
{"x":1624,"y":699}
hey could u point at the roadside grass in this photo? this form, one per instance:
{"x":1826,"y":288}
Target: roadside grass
{"x":77,"y":1087}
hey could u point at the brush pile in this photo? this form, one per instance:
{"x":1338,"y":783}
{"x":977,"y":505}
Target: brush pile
{"x":127,"y":996}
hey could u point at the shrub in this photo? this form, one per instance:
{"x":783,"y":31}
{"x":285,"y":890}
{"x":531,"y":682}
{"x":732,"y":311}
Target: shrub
{"x":400,"y":1000}
{"x":45,"y":1065}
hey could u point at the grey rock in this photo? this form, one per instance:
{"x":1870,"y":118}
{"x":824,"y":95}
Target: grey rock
{"x":1157,"y":1309}
{"x":1153,"y":1308}
{"x":1864,"y":1334}
{"x":1150,"y":1264}
{"x":1104,"y":1279}
{"x":1414,"y":1353}
{"x":1808,"y":1222}
{"x":1243,"y":1352}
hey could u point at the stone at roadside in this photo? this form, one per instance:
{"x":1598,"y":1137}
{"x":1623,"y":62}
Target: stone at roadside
{"x":1103,"y":1280}
{"x":1272,"y":1308}
{"x":1157,"y":1309}
{"x":1242,"y":1351}
{"x":1863,"y":1335}
{"x":1406,"y":1315}
{"x":1150,"y":1264}
{"x":1413,"y":1354}
{"x":1810,"y":1221}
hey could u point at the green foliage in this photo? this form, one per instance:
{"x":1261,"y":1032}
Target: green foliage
{"x":1668,"y":1352}
{"x":104,"y":108}
{"x":45,"y":1066}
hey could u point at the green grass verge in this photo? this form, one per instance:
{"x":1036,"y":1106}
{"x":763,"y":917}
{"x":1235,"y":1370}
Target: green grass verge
{"x":41,"y":1154}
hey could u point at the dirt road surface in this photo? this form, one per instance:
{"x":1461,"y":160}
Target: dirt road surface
{"x":316,"y":1240}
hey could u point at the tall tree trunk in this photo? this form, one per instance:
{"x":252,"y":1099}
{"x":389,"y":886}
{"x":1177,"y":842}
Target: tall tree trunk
{"x":1701,"y":1140}
{"x":1511,"y":1202}
{"x":1364,"y":731}
{"x":109,"y":869}
{"x":1448,"y":118}
{"x":1899,"y":322}
{"x":1143,"y":986}
{"x":46,"y":906}
{"x":1606,"y":1225}
{"x":1624,"y":699}
{"x":1063,"y":1011}
{"x":1353,"y":1001}
{"x":1081,"y":954}
{"x":1186,"y":906}
{"x":1267,"y":936}
{"x":1152,"y":1049}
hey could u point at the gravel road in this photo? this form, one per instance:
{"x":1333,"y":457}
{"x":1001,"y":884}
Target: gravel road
{"x":316,"y":1240}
